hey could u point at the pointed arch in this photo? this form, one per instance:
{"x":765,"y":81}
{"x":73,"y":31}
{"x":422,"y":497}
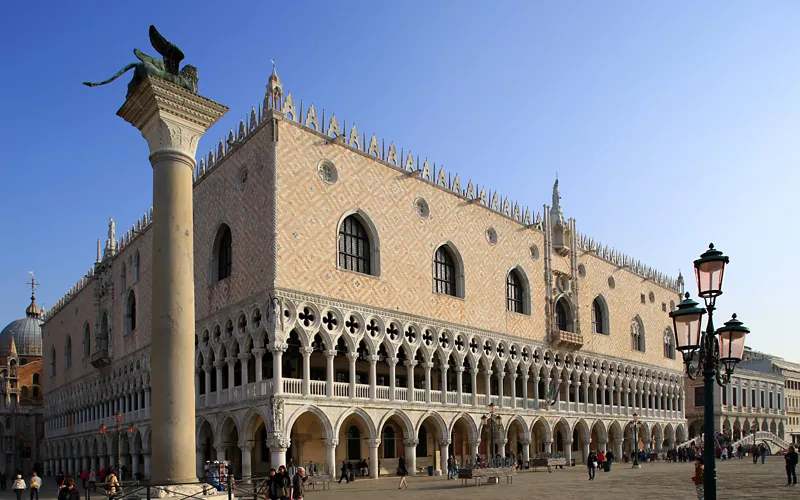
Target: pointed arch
{"x":471,"y":425}
{"x":448,"y":270}
{"x":402,"y":417}
{"x":130,"y":312}
{"x":563,"y":315}
{"x":526,"y":431}
{"x":314,"y":410}
{"x":600,"y":319}
{"x":437,"y":418}
{"x":222,"y":254}
{"x":518,"y":291}
{"x":638,"y":334}
{"x":354,"y":410}
{"x":357,"y":243}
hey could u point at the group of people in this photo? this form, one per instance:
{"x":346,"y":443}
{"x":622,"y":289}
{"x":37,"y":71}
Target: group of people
{"x":284,"y":484}
{"x":19,"y":486}
{"x":599,"y":460}
{"x":348,"y":470}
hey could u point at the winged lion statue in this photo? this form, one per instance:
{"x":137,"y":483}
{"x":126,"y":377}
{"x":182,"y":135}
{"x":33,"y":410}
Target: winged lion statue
{"x":166,"y":68}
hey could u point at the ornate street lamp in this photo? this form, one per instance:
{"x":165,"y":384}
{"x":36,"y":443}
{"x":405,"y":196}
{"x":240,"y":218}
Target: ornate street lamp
{"x":713,"y":353}
{"x":120,"y":433}
{"x":492,"y":420}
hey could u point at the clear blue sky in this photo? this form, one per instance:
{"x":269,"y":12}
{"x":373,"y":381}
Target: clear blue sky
{"x":670,"y":124}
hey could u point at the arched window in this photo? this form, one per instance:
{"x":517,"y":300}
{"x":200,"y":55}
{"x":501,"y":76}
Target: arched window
{"x":353,"y":443}
{"x":563,"y":316}
{"x":35,"y":392}
{"x":354,"y":246}
{"x":515,"y":292}
{"x":68,"y":353}
{"x":102,"y":335}
{"x":87,"y":341}
{"x":223,"y":254}
{"x":669,"y":344}
{"x":52,"y":361}
{"x":445,"y":273}
{"x":130,"y":313}
{"x":35,"y":379}
{"x":136,"y":267}
{"x":123,"y":279}
{"x":389,"y":445}
{"x":599,"y":316}
{"x":637,"y":335}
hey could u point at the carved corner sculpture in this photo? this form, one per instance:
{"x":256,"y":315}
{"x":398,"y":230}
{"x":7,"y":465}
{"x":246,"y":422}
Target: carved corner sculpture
{"x":166,"y":68}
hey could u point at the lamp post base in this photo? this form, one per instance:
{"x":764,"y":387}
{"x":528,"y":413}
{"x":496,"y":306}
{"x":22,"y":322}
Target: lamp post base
{"x":636,"y":466}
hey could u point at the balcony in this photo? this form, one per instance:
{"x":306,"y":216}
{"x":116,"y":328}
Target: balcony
{"x":101,"y":358}
{"x":567,"y":340}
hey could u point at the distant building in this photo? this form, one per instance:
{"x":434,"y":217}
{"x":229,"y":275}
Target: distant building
{"x":21,"y":410}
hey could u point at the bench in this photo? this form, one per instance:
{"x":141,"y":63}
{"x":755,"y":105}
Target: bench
{"x":324,"y":480}
{"x":464,"y":475}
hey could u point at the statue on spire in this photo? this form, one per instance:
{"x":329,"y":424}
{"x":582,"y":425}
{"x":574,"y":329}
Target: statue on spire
{"x":556,"y":197}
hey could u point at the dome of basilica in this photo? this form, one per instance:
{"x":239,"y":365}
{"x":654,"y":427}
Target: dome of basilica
{"x":27,"y":333}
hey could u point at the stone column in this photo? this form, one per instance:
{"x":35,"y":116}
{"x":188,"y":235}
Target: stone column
{"x":500,"y":378}
{"x":392,"y":382}
{"x":244,"y":358}
{"x":277,"y":454}
{"x":247,"y":470}
{"x":536,"y":391}
{"x":172,"y":120}
{"x":526,"y":450}
{"x":199,"y":460}
{"x":148,"y":464}
{"x":258,"y":354}
{"x":548,"y":446}
{"x":459,"y":384}
{"x":444,"y":454}
{"x":306,"y":351}
{"x":330,"y":455}
{"x":411,"y":456}
{"x":444,"y":383}
{"x":207,"y":370}
{"x":514,"y":390}
{"x":427,"y":366}
{"x":474,"y":373}
{"x":352,"y":357}
{"x":410,"y":363}
{"x":231,"y":377}
{"x":373,"y":457}
{"x":525,"y":390}
{"x":329,"y":355}
{"x":487,"y":380}
{"x":221,"y":452}
{"x":473,"y":451}
{"x":277,"y":367}
{"x":568,"y":449}
{"x":585,"y":452}
{"x":373,"y":377}
{"x":135,"y":463}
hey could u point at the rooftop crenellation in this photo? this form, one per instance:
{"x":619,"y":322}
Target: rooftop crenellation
{"x":406,"y":161}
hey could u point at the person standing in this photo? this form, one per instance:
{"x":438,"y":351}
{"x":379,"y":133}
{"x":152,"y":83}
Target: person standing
{"x":284,"y":484}
{"x":609,"y":460}
{"x":791,"y":466}
{"x":299,"y":484}
{"x":92,"y":479}
{"x":344,"y":475}
{"x":402,"y":471}
{"x":272,"y":486}
{"x":18,"y":486}
{"x":112,"y":484}
{"x":69,"y":492}
{"x":591,"y":464}
{"x":291,"y":468}
{"x":36,"y":483}
{"x":699,"y":478}
{"x":601,"y":458}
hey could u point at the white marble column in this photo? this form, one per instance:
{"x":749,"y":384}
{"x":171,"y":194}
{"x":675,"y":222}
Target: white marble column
{"x":444,"y":383}
{"x":352,"y":357}
{"x":444,"y":454}
{"x":501,"y":375}
{"x":277,"y":367}
{"x":410,"y":363}
{"x":373,"y":376}
{"x":221,"y":452}
{"x":474,"y":373}
{"x":488,"y":386}
{"x":427,"y":366}
{"x":244,"y":358}
{"x":526,"y":450}
{"x":373,"y":457}
{"x":247,"y":464}
{"x":329,"y":356}
{"x":330,"y":455}
{"x":411,"y":456}
{"x":459,"y":384}
{"x":473,"y":451}
{"x":258,"y":355}
{"x":306,"y":352}
{"x":148,"y":467}
{"x":392,"y":377}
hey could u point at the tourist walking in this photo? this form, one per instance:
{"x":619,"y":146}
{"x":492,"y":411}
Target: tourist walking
{"x":791,"y":466}
{"x":402,"y":471}
{"x":18,"y":486}
{"x":345,"y":474}
{"x":36,"y":483}
{"x":591,"y":464}
{"x":112,"y":484}
{"x":698,"y":478}
{"x":69,"y":492}
{"x":92,"y":479}
{"x":284,"y":484}
{"x":601,"y":458}
{"x":272,"y":486}
{"x":763,"y":450}
{"x":299,"y":484}
{"x":291,"y":468}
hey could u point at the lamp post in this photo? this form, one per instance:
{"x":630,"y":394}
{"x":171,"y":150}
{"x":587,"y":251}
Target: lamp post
{"x":492,"y":420}
{"x":131,"y":430}
{"x":636,"y":442}
{"x":714,"y":353}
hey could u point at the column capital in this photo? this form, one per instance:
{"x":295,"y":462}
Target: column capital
{"x":392,"y":361}
{"x":459,"y":369}
{"x":525,"y":442}
{"x":525,"y":375}
{"x":221,"y":447}
{"x":444,"y":442}
{"x":258,"y":352}
{"x":306,"y":351}
{"x":331,"y":443}
{"x":427,"y":365}
{"x":247,"y":446}
{"x":208,"y":367}
{"x":373,"y":358}
{"x":411,"y":442}
{"x":489,"y":373}
{"x":473,"y":442}
{"x":352,"y":356}
{"x":278,"y":347}
{"x":373,"y":443}
{"x":244,"y":356}
{"x":410,"y":363}
{"x":219,"y":364}
{"x":331,"y":353}
{"x":501,"y":374}
{"x":230,"y":360}
{"x":171,"y":118}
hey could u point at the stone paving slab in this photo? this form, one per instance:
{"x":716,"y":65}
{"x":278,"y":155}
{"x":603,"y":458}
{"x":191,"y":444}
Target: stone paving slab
{"x":738,"y":479}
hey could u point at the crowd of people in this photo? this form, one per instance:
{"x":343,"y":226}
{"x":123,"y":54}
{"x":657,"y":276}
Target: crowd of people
{"x":288,"y":482}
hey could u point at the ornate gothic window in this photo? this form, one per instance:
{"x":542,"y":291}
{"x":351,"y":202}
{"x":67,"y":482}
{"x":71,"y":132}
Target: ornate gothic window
{"x":637,"y":335}
{"x":444,"y":272}
{"x":563,"y":316}
{"x":68,"y":353}
{"x":223,"y":254}
{"x":130,"y":313}
{"x":123,"y":279}
{"x":669,"y":344}
{"x":515,"y":292}
{"x":87,"y":341}
{"x":354,"y":246}
{"x":599,"y":316}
